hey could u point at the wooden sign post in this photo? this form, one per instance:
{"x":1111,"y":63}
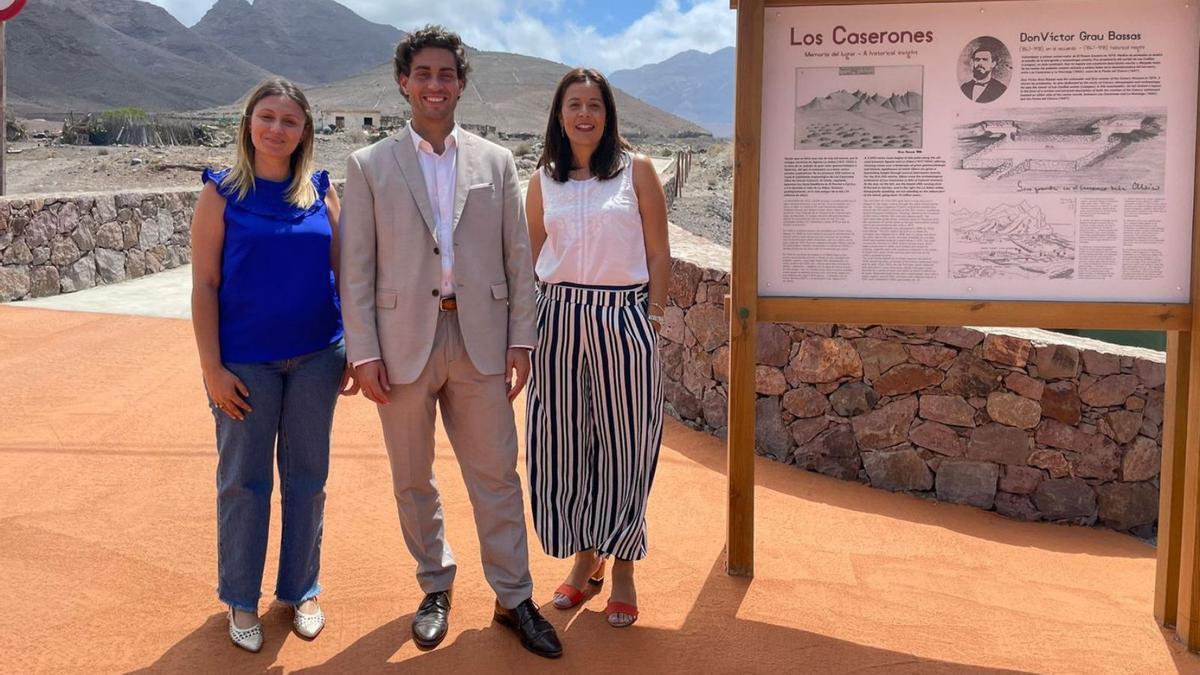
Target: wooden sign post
{"x":824,"y":40}
{"x":8,"y":9}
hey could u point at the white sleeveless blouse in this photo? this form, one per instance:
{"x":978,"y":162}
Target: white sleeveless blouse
{"x":593,"y":231}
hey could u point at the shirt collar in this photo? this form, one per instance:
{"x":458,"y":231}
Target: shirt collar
{"x":423,"y":145}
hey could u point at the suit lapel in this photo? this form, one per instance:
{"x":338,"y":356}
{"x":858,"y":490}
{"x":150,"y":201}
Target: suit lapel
{"x":461,"y":185}
{"x":410,"y":166}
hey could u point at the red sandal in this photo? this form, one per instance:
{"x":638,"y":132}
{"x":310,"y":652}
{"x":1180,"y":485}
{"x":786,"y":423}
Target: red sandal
{"x":574,"y":596}
{"x":614,"y":608}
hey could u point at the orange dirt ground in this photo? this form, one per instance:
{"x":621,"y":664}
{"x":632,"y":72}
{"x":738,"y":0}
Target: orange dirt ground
{"x":107,"y":542}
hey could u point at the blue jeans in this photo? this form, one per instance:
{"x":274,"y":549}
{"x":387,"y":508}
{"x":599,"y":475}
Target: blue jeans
{"x":292,"y":417}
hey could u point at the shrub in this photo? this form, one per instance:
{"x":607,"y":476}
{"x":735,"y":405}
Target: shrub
{"x":129,"y":113}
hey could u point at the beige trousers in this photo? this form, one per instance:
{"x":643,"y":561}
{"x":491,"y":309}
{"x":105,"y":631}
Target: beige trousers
{"x":479,"y":422}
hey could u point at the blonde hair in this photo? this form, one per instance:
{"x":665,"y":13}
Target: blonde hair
{"x":240,"y":179}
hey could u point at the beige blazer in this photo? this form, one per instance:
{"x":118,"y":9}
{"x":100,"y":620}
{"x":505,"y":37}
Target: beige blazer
{"x":391,"y":272}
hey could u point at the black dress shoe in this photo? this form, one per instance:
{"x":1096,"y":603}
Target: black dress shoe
{"x":432,"y":620}
{"x":537,"y":635}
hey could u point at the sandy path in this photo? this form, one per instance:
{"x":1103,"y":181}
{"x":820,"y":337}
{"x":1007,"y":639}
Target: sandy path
{"x":107,"y":540}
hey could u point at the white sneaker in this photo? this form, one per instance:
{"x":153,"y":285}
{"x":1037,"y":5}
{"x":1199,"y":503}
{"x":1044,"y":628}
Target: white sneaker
{"x":308,"y":626}
{"x":250,"y":639}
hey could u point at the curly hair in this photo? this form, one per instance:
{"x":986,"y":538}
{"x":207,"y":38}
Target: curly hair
{"x":438,"y":37}
{"x":992,"y":46}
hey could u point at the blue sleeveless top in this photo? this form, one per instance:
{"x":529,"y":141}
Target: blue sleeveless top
{"x":277,"y":298}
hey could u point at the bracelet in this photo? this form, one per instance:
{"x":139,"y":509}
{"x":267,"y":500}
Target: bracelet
{"x":654,"y":318}
{"x":655,"y":304}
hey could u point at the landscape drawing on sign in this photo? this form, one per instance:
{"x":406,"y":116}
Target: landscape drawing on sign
{"x":1065,"y":150}
{"x":1014,"y":239}
{"x":859,"y":107}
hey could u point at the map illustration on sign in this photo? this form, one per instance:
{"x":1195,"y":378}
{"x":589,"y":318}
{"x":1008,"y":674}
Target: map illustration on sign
{"x":1066,"y":149}
{"x":1013,"y":239}
{"x":859,"y":107}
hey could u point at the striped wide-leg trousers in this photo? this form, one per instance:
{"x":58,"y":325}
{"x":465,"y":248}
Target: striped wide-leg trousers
{"x":594,"y":420}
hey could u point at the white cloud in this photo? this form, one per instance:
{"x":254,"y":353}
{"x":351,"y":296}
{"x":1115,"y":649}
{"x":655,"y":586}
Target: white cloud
{"x":548,"y":28}
{"x":659,"y":34}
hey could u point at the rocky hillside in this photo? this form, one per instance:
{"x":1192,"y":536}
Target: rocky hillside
{"x":309,"y":41}
{"x":93,"y":55}
{"x":691,"y":84}
{"x":508,"y":91}
{"x":73,"y":55}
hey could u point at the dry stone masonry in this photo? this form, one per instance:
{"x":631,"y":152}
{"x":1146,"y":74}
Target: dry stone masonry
{"x":1018,"y":422}
{"x":62,"y":244}
{"x":1031,"y":429}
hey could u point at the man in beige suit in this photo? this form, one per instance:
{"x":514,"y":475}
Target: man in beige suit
{"x":437,"y":301}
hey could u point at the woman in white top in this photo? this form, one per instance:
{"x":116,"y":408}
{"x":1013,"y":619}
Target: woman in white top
{"x":598,"y":228}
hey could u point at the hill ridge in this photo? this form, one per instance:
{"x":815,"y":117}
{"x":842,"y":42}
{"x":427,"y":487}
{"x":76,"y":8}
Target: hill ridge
{"x":691,"y":84}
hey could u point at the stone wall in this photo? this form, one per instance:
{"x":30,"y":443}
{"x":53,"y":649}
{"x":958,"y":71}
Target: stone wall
{"x":1020,"y":422}
{"x":57,"y":245}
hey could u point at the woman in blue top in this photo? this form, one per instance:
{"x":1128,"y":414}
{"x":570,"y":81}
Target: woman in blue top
{"x":267,"y":320}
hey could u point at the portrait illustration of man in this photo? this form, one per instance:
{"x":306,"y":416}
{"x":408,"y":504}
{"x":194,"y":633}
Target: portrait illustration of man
{"x":988,"y":57}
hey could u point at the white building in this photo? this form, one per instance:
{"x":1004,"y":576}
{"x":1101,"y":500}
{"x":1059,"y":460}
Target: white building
{"x":347,"y":120}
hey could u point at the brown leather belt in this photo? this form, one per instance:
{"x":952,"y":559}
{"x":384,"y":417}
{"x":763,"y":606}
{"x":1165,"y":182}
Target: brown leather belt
{"x":449,"y":304}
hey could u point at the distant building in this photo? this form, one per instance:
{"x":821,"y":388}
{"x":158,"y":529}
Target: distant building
{"x":392,"y":121}
{"x":486,"y":130}
{"x":345,"y":120}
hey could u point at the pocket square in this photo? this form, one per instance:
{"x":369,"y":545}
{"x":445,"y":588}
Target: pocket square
{"x":481,"y":186}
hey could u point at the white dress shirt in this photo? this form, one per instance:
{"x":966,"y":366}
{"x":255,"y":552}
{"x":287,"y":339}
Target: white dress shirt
{"x":440,"y":174}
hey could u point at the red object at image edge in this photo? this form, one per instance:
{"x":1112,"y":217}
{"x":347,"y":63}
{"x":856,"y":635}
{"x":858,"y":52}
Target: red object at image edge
{"x":12,"y":10}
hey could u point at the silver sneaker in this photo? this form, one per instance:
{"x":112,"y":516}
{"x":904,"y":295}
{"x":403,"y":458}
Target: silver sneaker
{"x":250,"y":639}
{"x":308,"y":626}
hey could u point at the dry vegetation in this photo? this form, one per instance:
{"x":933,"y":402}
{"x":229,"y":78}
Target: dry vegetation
{"x":43,"y":166}
{"x":46,"y":166}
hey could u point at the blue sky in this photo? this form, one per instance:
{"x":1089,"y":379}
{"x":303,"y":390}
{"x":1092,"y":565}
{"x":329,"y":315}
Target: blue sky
{"x":609,"y":17}
{"x":607,"y":34}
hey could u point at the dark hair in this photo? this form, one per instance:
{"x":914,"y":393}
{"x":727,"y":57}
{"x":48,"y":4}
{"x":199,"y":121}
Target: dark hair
{"x":438,"y":37}
{"x":990,"y":45}
{"x":607,"y":161}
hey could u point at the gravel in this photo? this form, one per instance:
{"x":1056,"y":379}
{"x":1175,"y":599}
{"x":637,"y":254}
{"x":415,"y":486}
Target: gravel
{"x":705,"y":207}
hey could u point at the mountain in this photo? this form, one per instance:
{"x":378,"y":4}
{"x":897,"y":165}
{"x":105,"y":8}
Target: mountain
{"x":94,"y":55}
{"x":309,"y":41}
{"x":903,"y":102}
{"x":838,"y":100}
{"x":862,"y":102}
{"x":1002,"y":221}
{"x":509,"y":91}
{"x":691,"y":84}
{"x":87,"y":55}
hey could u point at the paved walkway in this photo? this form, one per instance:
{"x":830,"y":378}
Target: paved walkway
{"x":168,"y":294}
{"x":107,"y":539}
